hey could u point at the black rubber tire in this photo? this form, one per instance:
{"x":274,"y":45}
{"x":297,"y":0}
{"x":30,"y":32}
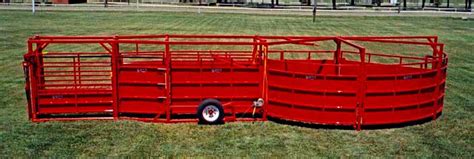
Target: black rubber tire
{"x":204,"y":104}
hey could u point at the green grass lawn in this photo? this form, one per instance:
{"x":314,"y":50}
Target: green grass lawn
{"x":450,"y":136}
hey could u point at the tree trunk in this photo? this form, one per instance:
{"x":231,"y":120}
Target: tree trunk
{"x":308,"y":2}
{"x":352,"y":2}
{"x":314,"y":11}
{"x":106,"y":3}
{"x":273,"y":3}
{"x":334,"y":4}
{"x":277,"y":2}
{"x":423,"y":3}
{"x":470,"y":2}
{"x":404,"y":4}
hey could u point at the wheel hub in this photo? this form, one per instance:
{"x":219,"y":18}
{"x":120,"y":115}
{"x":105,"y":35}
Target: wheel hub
{"x":210,"y":113}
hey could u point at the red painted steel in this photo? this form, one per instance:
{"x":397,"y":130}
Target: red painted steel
{"x":163,"y":78}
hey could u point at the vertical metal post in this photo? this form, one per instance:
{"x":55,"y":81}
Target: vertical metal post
{"x":337,"y":56}
{"x":39,"y":64}
{"x":435,"y":62}
{"x":439,"y":65}
{"x":76,"y":100}
{"x":168,"y":67}
{"x":26,"y":71}
{"x":361,"y":91}
{"x":282,"y":55}
{"x":33,"y":6}
{"x":115,"y":90}
{"x":38,"y":73}
{"x":79,"y":69}
{"x":255,"y":50}
{"x":136,"y":48}
{"x":265,"y":79}
{"x":33,"y":81}
{"x":39,"y":49}
{"x":30,"y":90}
{"x":434,"y":47}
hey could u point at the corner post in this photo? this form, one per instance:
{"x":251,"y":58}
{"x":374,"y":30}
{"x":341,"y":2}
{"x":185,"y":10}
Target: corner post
{"x":115,"y":68}
{"x":37,"y":67}
{"x":31,"y":83}
{"x":439,"y":65}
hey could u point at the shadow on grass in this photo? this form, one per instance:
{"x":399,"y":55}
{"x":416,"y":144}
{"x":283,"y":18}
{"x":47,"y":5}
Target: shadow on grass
{"x":345,"y":127}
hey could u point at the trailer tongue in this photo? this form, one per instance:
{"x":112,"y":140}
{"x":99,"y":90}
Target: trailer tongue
{"x":220,"y":78}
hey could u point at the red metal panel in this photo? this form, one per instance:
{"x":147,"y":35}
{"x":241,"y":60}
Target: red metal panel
{"x":141,"y":89}
{"x":306,"y":91}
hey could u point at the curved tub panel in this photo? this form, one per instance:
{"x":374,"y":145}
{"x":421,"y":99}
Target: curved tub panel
{"x":302,"y":95}
{"x":404,"y":95}
{"x":394,"y":115}
{"x":319,"y":116}
{"x":309,"y":91}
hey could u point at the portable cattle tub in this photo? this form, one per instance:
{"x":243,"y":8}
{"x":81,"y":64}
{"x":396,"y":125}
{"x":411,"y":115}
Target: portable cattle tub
{"x":171,"y":78}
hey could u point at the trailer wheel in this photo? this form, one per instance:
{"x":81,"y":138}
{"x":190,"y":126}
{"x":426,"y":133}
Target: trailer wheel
{"x":210,"y":111}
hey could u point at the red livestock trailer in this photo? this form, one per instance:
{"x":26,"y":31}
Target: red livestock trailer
{"x":332,"y":80}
